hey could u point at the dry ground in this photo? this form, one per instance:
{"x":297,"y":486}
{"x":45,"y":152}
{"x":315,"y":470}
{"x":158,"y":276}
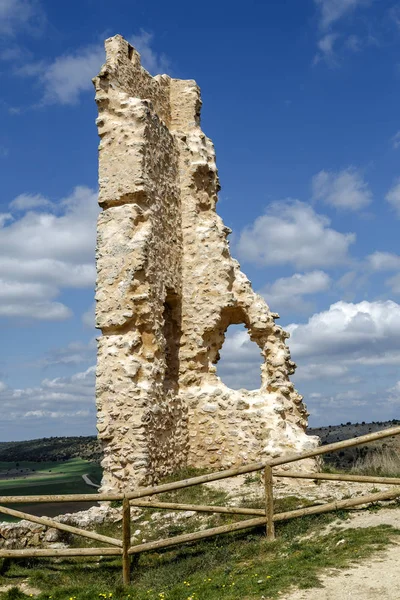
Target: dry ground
{"x":375,"y":578}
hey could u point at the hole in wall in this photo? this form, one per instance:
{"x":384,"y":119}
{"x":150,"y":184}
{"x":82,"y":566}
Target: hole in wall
{"x":239,"y":364}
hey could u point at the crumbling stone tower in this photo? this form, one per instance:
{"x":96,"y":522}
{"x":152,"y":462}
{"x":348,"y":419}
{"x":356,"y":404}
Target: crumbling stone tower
{"x":168,"y":289}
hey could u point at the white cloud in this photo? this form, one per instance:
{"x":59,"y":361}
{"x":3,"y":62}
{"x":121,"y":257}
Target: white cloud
{"x":393,"y":196}
{"x":348,"y":355}
{"x":42,"y":252}
{"x":313,"y":371}
{"x":28,"y":201}
{"x":60,"y":273}
{"x":4,"y":217}
{"x":344,"y":189}
{"x":288,"y":292}
{"x":68,"y":237}
{"x":152,"y":61}
{"x":348,"y":331}
{"x":239,"y":365}
{"x":89,"y":317}
{"x":16,"y":15}
{"x":21,"y":299}
{"x":292,"y":232}
{"x":333,"y":10}
{"x":330,"y":12}
{"x":326,"y":49}
{"x":68,"y":76}
{"x":394,"y":284}
{"x":347,"y":280}
{"x":64,"y":79}
{"x":62,"y":397}
{"x":75,"y":353}
{"x":394,"y":394}
{"x":383,"y":261}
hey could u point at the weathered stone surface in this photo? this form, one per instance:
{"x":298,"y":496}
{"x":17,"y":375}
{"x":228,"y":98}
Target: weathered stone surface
{"x":168,"y":289}
{"x":27,"y":534}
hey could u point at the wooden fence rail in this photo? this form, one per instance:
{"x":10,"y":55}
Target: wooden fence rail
{"x":263,"y":517}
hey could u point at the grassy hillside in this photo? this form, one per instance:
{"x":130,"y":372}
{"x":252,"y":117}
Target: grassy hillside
{"x":51,"y":449}
{"x":39,"y":478}
{"x":380,"y":457}
{"x":28,"y":478}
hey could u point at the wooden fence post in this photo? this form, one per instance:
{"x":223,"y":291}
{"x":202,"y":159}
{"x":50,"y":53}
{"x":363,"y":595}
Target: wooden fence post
{"x":269,"y":503}
{"x":126,"y":541}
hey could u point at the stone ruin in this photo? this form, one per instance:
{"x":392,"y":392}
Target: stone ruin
{"x":167,"y":290}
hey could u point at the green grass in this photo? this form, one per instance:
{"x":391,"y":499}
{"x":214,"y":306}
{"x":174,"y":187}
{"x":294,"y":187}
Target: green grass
{"x":48,"y":478}
{"x":382,"y":462}
{"x":236,"y":566}
{"x":241,"y":566}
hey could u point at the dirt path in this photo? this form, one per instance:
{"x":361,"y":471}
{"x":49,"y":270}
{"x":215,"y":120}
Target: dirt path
{"x":377,"y":577}
{"x":88,"y":481}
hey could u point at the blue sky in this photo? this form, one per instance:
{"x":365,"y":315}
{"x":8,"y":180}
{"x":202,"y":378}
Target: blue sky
{"x":301,"y":101}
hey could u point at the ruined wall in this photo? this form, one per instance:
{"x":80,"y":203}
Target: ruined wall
{"x":168,"y":289}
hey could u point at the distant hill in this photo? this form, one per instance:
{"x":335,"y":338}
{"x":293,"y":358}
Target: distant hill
{"x":52,"y":449}
{"x":89,"y":448}
{"x":346,"y":458}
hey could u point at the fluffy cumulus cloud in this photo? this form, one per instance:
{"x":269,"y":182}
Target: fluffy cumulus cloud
{"x":355,"y":332}
{"x":293,"y":233}
{"x":393,"y":197}
{"x":16,"y":15}
{"x":54,"y":406}
{"x":66,"y":77}
{"x":289,"y":292}
{"x":348,"y":358}
{"x":344,"y":189}
{"x":44,"y":251}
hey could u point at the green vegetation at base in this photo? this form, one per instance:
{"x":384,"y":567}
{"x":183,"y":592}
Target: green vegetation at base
{"x":235,"y":566}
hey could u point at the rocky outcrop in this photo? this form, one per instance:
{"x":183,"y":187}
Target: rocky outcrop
{"x":168,"y":289}
{"x":26,"y":534}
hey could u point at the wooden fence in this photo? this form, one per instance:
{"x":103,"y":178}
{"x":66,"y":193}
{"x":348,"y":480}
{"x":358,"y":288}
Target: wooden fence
{"x":122,"y":547}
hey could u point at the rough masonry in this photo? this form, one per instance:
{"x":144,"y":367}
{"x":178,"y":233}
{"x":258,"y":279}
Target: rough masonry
{"x":167,"y":290}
